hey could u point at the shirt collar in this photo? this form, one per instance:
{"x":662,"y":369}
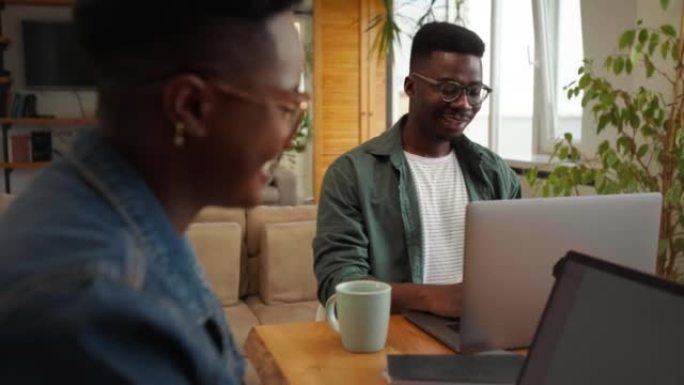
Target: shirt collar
{"x":390,"y":143}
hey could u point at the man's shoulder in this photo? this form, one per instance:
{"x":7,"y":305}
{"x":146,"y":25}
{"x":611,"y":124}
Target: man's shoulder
{"x":490,"y":158}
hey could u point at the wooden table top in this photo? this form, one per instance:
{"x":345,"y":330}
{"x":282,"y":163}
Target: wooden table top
{"x":312,"y":353}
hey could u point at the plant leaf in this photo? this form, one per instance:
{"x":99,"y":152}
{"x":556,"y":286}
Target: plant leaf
{"x":664,"y":4}
{"x":608,"y":64}
{"x":628,"y":66}
{"x":650,"y":68}
{"x":669,"y":30}
{"x":627,"y":38}
{"x":568,"y":137}
{"x":664,"y":49}
{"x":653,"y":43}
{"x":584,"y":81}
{"x":643,"y":149}
{"x":618,"y":65}
{"x":643,"y":36}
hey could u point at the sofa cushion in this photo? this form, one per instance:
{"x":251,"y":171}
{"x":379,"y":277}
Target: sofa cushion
{"x":218,"y":248}
{"x":282,"y":313}
{"x":257,"y":217}
{"x":241,"y":319}
{"x":237,"y":215}
{"x":219,"y":214}
{"x":286,"y":262}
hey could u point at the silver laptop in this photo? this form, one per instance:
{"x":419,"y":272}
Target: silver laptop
{"x":511,"y":248}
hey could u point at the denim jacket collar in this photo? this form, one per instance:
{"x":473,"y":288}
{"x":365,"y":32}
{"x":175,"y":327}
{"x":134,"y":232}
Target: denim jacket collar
{"x":124,"y":188}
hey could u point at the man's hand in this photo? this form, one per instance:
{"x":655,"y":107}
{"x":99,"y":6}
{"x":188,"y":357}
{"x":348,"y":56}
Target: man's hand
{"x":443,"y":300}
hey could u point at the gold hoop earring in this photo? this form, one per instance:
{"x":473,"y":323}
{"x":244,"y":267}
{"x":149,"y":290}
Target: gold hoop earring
{"x":179,"y":136}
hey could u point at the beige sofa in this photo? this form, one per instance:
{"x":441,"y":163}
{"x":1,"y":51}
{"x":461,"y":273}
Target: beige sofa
{"x":260,"y":264}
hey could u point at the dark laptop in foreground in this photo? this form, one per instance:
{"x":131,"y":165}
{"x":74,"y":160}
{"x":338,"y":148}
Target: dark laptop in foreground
{"x":511,"y":248}
{"x":603,"y":324}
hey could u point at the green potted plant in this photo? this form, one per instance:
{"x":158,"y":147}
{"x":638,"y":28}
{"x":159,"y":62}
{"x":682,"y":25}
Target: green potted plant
{"x":643,"y":149}
{"x":389,"y":27}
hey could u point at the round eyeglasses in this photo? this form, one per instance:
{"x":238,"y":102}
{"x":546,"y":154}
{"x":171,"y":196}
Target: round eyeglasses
{"x":450,"y":90}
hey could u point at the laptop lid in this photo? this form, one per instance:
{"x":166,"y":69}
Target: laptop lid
{"x":512,"y":246}
{"x":606,"y":324}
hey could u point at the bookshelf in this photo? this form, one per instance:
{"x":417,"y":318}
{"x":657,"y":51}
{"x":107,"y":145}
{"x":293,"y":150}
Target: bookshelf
{"x":47,"y":121}
{"x":23,"y":165}
{"x":41,"y":3}
{"x":51,"y":125}
{"x":7,"y":124}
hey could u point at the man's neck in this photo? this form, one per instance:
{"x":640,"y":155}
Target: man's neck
{"x":415,"y":142}
{"x":165,"y":176}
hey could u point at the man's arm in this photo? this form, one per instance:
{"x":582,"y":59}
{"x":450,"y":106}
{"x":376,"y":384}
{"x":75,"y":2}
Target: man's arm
{"x":443,"y":300}
{"x":341,"y":245}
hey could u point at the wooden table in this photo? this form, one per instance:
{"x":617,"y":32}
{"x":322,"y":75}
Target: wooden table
{"x":311,"y":353}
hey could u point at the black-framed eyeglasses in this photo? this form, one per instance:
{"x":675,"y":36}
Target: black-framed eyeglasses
{"x":450,"y":90}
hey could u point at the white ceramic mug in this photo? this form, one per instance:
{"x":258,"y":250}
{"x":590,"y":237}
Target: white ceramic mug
{"x":363,"y":311}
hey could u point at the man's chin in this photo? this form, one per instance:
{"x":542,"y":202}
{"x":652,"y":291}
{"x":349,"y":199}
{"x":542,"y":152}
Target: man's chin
{"x":450,"y":131}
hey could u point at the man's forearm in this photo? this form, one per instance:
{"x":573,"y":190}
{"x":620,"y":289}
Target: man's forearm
{"x":443,"y":300}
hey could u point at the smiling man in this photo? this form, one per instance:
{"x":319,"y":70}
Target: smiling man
{"x":393,"y":209}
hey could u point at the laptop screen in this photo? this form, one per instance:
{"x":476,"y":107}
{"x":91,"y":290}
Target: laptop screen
{"x":608,"y":325}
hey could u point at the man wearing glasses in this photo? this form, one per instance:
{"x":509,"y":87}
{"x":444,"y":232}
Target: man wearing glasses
{"x":393,"y":209}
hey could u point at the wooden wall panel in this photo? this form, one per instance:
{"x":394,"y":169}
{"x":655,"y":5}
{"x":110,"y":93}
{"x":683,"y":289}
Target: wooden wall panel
{"x":336,"y":81}
{"x":349,"y":81}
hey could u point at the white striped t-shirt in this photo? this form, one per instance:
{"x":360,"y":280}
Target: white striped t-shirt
{"x":442,"y":198}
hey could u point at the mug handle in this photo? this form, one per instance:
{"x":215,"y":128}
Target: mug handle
{"x":330,"y":313}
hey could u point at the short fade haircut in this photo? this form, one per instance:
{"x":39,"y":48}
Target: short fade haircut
{"x":139,"y":39}
{"x":445,"y":37}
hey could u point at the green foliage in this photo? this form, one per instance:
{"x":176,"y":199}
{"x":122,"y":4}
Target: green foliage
{"x":644,"y":130}
{"x":304,"y":133}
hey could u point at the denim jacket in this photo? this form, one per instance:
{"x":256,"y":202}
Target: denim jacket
{"x":97,"y":287}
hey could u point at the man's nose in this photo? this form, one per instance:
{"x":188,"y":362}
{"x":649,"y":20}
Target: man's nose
{"x":461,"y":102}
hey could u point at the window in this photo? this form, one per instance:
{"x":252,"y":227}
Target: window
{"x":534,"y":48}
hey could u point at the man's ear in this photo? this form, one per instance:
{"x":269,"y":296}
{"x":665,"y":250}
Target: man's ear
{"x":188,"y":99}
{"x":409,"y":86}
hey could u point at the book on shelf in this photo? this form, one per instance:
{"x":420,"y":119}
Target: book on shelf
{"x":19,"y":148}
{"x":41,"y":146}
{"x":5,"y":101}
{"x":22,"y":105}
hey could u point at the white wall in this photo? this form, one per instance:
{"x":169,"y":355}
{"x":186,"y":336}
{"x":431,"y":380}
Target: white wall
{"x":603,"y":22}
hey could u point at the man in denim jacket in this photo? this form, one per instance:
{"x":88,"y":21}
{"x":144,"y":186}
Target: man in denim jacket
{"x":97,"y":283}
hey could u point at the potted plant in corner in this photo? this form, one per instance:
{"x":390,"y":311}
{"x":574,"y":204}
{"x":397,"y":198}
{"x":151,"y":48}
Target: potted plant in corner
{"x":644,"y":151}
